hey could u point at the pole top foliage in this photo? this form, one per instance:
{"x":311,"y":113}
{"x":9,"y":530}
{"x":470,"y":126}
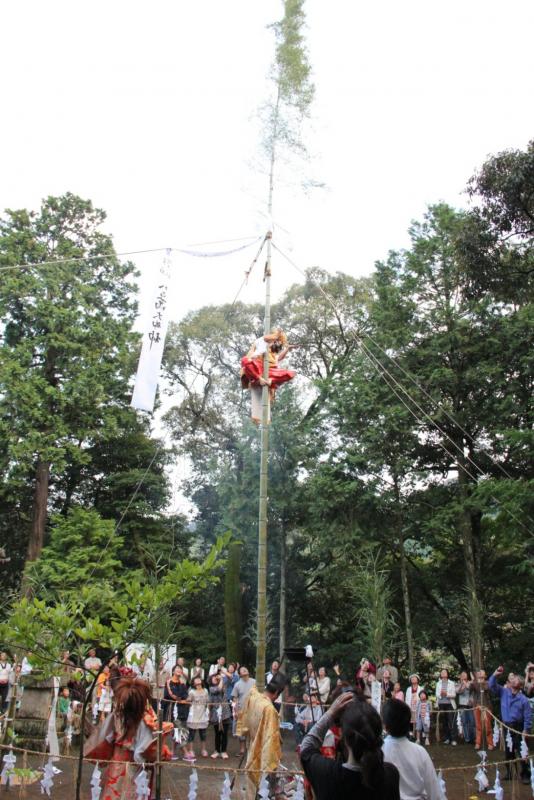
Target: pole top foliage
{"x":291,"y":68}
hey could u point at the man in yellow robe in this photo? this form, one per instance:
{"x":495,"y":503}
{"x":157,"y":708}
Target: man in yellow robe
{"x":261,"y":724}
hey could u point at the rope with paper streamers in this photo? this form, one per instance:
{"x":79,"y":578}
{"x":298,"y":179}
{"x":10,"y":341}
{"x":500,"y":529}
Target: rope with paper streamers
{"x":213,"y":767}
{"x":289,"y":782}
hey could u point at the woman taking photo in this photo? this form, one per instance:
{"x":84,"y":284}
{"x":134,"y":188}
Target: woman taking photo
{"x":220,"y":715}
{"x":363,"y":775}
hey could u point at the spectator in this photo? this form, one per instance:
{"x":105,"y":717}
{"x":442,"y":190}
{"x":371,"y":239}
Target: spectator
{"x":418,"y":777}
{"x":180,"y":661}
{"x":176,"y":696}
{"x":240,"y":693}
{"x":147,"y":669}
{"x":306,"y":716}
{"x":367,"y":673}
{"x":364,"y":773}
{"x":197,"y":670}
{"x":529,"y":680}
{"x":103,"y":677}
{"x":5,"y":672}
{"x":323,"y":685}
{"x":309,"y":679}
{"x":393,"y":671}
{"x":273,"y":673}
{"x":397,"y":693}
{"x":517,"y":714}
{"x":105,"y":700}
{"x":197,"y":719}
{"x":68,"y":665}
{"x":217,"y":667}
{"x":422,"y":717}
{"x":26,"y":667}
{"x":412,"y":696}
{"x":340,"y":674}
{"x":92,"y":662}
{"x":220,"y":715}
{"x":162,"y":677}
{"x":446,"y":699}
{"x":14,"y":685}
{"x":64,"y":706}
{"x":231,"y":677}
{"x":481,"y":705}
{"x":387,"y":685}
{"x":464,"y":695}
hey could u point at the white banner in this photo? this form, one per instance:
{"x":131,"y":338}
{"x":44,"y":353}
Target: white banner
{"x":146,"y":381}
{"x":376,"y":695}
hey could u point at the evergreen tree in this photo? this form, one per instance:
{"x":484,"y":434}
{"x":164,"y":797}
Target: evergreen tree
{"x":66,"y":348}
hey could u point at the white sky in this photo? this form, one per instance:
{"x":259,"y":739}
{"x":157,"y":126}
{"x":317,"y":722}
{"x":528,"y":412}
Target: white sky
{"x":149,"y":110}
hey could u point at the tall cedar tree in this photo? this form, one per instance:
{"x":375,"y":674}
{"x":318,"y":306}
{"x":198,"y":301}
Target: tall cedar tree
{"x":66,"y":341}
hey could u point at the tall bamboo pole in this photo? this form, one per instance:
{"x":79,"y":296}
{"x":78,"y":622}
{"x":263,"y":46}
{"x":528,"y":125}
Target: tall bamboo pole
{"x":261,"y":627}
{"x":261,"y":644}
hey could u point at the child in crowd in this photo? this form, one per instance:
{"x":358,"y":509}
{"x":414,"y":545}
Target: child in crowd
{"x":64,"y":706}
{"x":422,"y":717}
{"x":398,"y":694}
{"x":105,"y":700}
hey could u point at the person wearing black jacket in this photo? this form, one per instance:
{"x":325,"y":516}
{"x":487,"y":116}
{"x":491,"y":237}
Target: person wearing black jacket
{"x":363,"y":775}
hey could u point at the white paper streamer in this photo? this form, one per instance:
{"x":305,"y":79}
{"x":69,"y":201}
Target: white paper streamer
{"x":299,"y":794}
{"x":482,"y":780}
{"x":376,"y":695}
{"x":142,"y":785}
{"x":523,"y":750}
{"x":532,"y":775}
{"x":459,"y":724}
{"x":10,"y":759}
{"x":146,"y":380}
{"x":263,"y":790}
{"x":193,"y":786}
{"x":175,"y":711}
{"x":47,"y":780}
{"x":509,"y":740}
{"x":95,"y":783}
{"x":497,"y":788}
{"x":481,"y":777}
{"x":52,"y":740}
{"x":496,"y":733}
{"x":226,"y":790}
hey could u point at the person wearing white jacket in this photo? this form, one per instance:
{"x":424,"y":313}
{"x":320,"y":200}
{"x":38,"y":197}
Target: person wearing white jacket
{"x":446,"y":700}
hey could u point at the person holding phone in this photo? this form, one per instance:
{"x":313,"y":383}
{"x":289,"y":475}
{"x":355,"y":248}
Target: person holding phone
{"x":517,"y":715}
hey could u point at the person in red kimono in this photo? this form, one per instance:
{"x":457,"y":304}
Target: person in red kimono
{"x":129,"y":737}
{"x":275,"y":346}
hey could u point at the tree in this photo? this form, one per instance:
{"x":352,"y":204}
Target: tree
{"x":66,"y":348}
{"x":233,"y":615}
{"x":48,"y":628}
{"x":83,"y":550}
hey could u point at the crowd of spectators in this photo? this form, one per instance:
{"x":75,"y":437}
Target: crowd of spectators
{"x":199,"y":697}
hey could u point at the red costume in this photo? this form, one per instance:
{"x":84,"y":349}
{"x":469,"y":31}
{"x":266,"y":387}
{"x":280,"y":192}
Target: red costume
{"x":111,"y":743}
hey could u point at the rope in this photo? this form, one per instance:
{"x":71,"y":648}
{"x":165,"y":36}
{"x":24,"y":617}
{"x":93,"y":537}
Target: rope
{"x":222,"y":769}
{"x":112,"y":254}
{"x":383,"y":372}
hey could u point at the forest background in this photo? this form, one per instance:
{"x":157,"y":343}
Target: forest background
{"x":401,"y":517}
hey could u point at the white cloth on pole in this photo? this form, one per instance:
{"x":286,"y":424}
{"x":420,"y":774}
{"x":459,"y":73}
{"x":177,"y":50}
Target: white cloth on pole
{"x":53,"y":743}
{"x":148,"y":369}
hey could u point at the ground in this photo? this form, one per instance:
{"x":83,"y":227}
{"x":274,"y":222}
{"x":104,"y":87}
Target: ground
{"x":460,"y":784}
